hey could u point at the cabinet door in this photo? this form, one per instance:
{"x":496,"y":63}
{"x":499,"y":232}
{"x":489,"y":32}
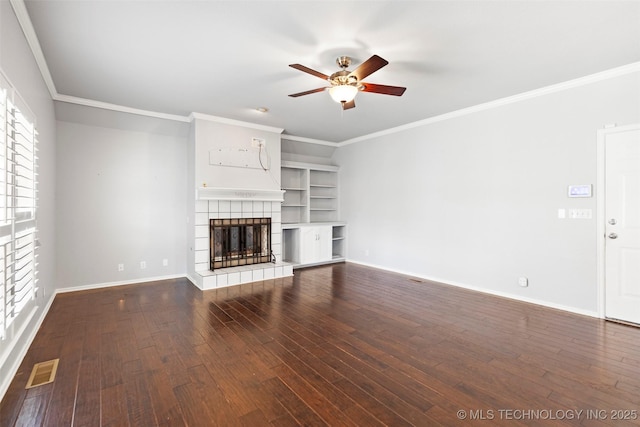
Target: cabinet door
{"x":307,"y":244}
{"x":325,"y":242}
{"x":315,"y":244}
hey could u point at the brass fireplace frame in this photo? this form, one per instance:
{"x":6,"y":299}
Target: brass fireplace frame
{"x":239,"y":241}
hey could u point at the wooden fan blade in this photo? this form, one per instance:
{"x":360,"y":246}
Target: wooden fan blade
{"x":350,"y":104}
{"x":369,"y":66}
{"x":383,"y":89}
{"x":309,"y":71}
{"x":308,"y":92}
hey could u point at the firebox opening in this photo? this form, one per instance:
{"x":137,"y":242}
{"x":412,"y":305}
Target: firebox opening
{"x":239,"y":241}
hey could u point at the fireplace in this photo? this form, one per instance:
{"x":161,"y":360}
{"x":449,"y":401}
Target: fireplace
{"x":226,"y":207}
{"x":235,"y":242}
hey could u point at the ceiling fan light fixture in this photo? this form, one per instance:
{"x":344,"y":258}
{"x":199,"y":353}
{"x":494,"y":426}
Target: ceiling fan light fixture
{"x":343,"y":93}
{"x":346,"y":84}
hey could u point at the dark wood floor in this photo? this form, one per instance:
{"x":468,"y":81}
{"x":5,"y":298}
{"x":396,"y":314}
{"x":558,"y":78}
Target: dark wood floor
{"x":335,"y":345}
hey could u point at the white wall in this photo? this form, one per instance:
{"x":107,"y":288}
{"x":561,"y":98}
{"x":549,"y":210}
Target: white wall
{"x":121,"y":197}
{"x":19,"y":66}
{"x":473,"y":200}
{"x":212,"y":136}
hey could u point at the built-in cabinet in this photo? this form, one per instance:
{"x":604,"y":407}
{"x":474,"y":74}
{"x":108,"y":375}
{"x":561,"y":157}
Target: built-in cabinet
{"x":315,"y":244}
{"x":311,"y":230}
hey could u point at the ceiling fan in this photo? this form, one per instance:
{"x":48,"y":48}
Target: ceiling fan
{"x":345,"y":84}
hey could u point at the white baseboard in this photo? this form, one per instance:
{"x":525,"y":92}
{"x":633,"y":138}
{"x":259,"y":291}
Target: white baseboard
{"x":118,"y":283}
{"x":193,"y":281}
{"x":520,"y":298}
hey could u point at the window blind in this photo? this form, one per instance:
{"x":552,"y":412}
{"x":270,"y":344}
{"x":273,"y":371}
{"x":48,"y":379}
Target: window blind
{"x":18,"y":205}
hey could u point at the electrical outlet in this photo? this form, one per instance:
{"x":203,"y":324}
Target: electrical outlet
{"x":143,"y":264}
{"x":120,"y":267}
{"x":523,"y":281}
{"x":165,"y":262}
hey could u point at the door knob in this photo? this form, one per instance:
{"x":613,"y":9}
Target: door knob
{"x":613,"y":236}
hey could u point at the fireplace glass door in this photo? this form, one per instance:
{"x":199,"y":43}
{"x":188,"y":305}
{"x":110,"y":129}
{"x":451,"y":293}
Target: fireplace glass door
{"x":239,"y":241}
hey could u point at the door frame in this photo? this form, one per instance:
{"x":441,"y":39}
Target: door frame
{"x":600,"y":210}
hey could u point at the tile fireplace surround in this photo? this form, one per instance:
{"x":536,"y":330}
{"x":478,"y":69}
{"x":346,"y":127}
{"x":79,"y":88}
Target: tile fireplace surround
{"x":221,"y":203}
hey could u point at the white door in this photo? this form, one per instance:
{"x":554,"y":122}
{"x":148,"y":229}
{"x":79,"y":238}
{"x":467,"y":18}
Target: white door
{"x":622,"y":228}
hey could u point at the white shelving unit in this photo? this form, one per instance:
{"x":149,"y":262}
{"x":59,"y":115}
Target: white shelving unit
{"x":338,"y":237}
{"x":311,"y":200}
{"x":323,"y":194}
{"x":295,"y":207}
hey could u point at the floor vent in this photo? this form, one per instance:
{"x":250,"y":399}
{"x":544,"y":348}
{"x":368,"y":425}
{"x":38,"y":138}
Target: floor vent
{"x":43,"y":373}
{"x":416,"y":280}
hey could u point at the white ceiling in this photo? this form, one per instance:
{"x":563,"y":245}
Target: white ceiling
{"x":226,"y":58}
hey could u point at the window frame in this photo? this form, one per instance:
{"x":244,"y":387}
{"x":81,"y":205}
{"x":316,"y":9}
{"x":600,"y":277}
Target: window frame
{"x":18,"y":207}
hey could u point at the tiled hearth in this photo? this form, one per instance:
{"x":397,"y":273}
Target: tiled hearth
{"x":212,"y":204}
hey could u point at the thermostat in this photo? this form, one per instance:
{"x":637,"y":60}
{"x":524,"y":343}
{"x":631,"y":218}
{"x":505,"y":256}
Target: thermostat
{"x":583,"y":190}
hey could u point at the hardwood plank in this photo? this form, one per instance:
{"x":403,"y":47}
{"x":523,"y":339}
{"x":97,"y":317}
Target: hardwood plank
{"x":292,"y":403}
{"x":334,"y":345}
{"x":113,"y":406}
{"x":194,"y":411}
{"x":166,"y":408}
{"x":63,"y":396}
{"x":33,"y":411}
{"x":316,"y":401}
{"x":138,"y":401}
{"x":110,"y":362}
{"x":253,"y":418}
{"x":87,"y":409}
{"x":213,"y":397}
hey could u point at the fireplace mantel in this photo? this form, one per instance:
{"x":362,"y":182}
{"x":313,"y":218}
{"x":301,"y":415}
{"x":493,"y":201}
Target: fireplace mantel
{"x":214,"y":193}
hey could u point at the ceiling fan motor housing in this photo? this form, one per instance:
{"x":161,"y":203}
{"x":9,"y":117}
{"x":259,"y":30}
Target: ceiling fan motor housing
{"x":343,"y":77}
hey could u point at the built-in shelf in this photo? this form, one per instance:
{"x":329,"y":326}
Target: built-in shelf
{"x":295,"y":182}
{"x":311,"y":192}
{"x":338,"y":241}
{"x":310,"y":207}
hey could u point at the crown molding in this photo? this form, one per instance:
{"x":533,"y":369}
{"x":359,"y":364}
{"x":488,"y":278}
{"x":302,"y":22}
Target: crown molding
{"x":20,"y":9}
{"x":310,"y":140}
{"x":119,"y":108}
{"x":581,"y":81}
{"x":223,"y":120}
